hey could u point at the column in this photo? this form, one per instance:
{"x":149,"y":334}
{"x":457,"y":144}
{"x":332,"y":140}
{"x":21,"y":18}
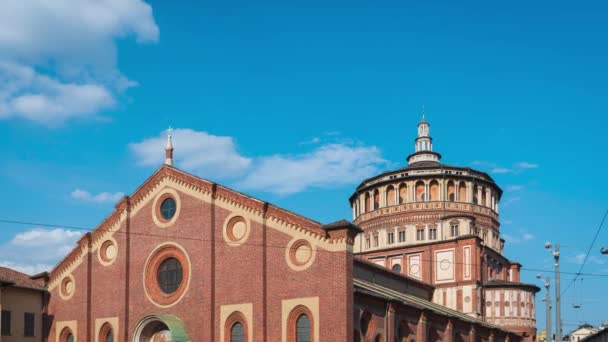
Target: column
{"x":396,"y":195}
{"x":390,"y":335}
{"x":421,"y":328}
{"x":472,"y":334}
{"x":449,"y":332}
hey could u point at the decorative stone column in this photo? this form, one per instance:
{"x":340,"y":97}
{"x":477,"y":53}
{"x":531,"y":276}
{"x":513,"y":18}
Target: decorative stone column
{"x":421,"y":328}
{"x":449,"y":332}
{"x":390,"y":335}
{"x":473,"y":334}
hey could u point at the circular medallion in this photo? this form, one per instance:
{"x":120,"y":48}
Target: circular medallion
{"x":300,"y":254}
{"x":236,"y":230}
{"x":467,"y":299}
{"x":67,"y":287}
{"x":108,"y":251}
{"x":414,"y":269}
{"x":445,"y":264}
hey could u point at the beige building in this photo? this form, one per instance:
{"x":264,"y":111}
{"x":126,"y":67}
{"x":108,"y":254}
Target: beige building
{"x":23,"y":301}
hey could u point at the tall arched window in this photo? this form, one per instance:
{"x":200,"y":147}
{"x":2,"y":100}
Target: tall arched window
{"x":237,"y":333}
{"x":420,"y":192}
{"x":235,"y":328}
{"x":462,"y":192}
{"x":451,"y":192}
{"x":303,"y":329}
{"x":402,"y":193}
{"x":300,"y":325}
{"x":376,"y":199}
{"x":434,"y":191}
{"x":390,"y":195}
{"x":105,"y":333}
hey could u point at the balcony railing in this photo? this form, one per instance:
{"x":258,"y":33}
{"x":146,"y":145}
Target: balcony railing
{"x":428,"y":206}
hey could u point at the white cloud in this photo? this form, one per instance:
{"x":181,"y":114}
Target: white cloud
{"x":211,"y":156}
{"x":37,"y":249}
{"x":207,"y":155}
{"x":518,"y":167}
{"x":73,"y":41}
{"x":327,"y":166}
{"x":522,"y":236}
{"x":513,"y":188}
{"x":102,"y":197}
{"x":580,"y":258}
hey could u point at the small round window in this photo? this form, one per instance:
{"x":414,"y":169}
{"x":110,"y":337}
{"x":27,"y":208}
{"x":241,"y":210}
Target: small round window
{"x":170,"y":275}
{"x":167,"y":208}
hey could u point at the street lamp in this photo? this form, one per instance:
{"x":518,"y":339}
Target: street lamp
{"x":547,"y":300}
{"x":558,"y":313}
{"x":604,"y":250}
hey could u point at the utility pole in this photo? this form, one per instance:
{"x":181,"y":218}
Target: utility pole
{"x":547,"y":300}
{"x":558,"y":313}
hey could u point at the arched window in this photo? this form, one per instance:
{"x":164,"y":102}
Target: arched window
{"x":66,"y":335}
{"x":434,"y":191}
{"x":397,"y":268}
{"x":367,"y":202}
{"x":420,"y":192}
{"x":402,"y":193}
{"x":376,"y":199}
{"x":105,"y":333}
{"x":484,"y":200}
{"x":303,"y":329}
{"x":390,"y":195}
{"x":451,"y":192}
{"x":300,"y":326}
{"x":462,"y":192}
{"x":235,"y":328}
{"x":476,"y":195}
{"x":237,"y":333}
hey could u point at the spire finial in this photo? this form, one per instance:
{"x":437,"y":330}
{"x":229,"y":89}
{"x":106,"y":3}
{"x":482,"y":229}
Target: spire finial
{"x":169,"y":147}
{"x":423,"y":112}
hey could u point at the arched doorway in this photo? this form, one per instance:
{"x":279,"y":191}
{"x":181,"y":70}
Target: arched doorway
{"x":160,"y":328}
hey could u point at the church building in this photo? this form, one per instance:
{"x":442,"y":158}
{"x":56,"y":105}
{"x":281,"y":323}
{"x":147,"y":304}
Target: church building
{"x":185,"y":259}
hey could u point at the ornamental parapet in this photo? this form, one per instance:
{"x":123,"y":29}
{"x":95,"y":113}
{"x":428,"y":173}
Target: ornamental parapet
{"x":461,"y":207}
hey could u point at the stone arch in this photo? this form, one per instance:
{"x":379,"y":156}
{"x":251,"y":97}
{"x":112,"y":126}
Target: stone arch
{"x":165,"y":328}
{"x":476,"y":194}
{"x":451,"y":191}
{"x":390,"y":195}
{"x":420,"y":191}
{"x":367,"y":202}
{"x":402,"y":193}
{"x":484,"y":197}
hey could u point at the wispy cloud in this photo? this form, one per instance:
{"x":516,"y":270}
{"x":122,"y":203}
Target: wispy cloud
{"x":37,"y":249}
{"x":579,"y":258}
{"x":518,"y":167}
{"x":514,"y":188}
{"x":521,"y":237}
{"x":326,"y":165}
{"x":207,"y":155}
{"x":102,"y":197}
{"x":80,"y":77}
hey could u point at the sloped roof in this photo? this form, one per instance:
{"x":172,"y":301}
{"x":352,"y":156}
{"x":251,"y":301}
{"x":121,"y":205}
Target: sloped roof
{"x":417,"y":302}
{"x":13,"y":278}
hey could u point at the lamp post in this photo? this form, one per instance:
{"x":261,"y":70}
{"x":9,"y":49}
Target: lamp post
{"x":547,"y":301}
{"x":558,"y":313}
{"x":604,"y":250}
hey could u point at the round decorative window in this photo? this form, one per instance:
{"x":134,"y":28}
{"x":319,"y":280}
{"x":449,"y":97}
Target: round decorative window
{"x":108,"y":252}
{"x":168,"y":208}
{"x":467,"y":299}
{"x":169,"y":275}
{"x":300,"y":254}
{"x":66,"y":290}
{"x":236,"y":230}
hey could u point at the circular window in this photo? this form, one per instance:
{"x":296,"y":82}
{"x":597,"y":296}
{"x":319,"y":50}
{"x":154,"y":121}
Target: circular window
{"x":236,"y":230}
{"x":168,"y":208}
{"x":396,"y":268}
{"x":108,"y":252}
{"x":300,"y":254}
{"x":169,"y":275}
{"x":67,"y":287}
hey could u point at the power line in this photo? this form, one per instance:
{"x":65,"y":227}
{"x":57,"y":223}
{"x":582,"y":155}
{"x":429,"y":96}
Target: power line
{"x":50,"y":225}
{"x":597,"y":233}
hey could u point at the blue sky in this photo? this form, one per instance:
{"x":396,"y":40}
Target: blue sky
{"x":296,"y":102}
